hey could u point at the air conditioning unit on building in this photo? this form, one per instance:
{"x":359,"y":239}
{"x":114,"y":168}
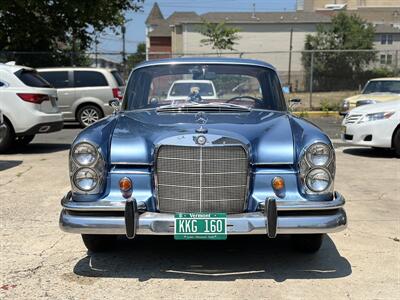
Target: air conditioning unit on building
{"x":335,"y":6}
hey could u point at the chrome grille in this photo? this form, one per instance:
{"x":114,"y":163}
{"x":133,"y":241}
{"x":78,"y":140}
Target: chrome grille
{"x":201,"y":179}
{"x":352,"y":118}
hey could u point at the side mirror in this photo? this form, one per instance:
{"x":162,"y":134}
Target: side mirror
{"x":115,"y":104}
{"x":294,"y":101}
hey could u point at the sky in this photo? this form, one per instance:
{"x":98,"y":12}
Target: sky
{"x":135,"y":27}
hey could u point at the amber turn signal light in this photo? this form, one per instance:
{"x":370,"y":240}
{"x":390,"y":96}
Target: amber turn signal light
{"x":125,"y":184}
{"x":278,"y":183}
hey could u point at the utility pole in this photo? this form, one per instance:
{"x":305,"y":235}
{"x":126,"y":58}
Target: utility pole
{"x":123,"y":30}
{"x":95,"y":49}
{"x":290,"y":57}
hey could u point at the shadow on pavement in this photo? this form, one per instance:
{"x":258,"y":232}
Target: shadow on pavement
{"x":72,"y":125}
{"x":9,"y":164}
{"x":38,"y":148}
{"x":253,"y":257}
{"x":370,"y":152}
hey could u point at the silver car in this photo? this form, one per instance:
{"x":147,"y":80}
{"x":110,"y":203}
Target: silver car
{"x":84,"y":93}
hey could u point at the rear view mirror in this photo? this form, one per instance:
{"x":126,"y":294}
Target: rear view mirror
{"x":115,"y":104}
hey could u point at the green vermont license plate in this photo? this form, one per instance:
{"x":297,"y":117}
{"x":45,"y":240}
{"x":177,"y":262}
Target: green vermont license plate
{"x":200,"y":226}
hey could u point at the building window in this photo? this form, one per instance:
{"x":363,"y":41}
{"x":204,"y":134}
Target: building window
{"x":390,"y":39}
{"x":386,"y":59}
{"x":383,"y":39}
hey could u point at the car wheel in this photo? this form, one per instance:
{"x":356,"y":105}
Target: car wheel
{"x":98,"y":243}
{"x":87,"y":115}
{"x":7,"y":140}
{"x":396,"y":142}
{"x":24,"y":140}
{"x":307,"y":243}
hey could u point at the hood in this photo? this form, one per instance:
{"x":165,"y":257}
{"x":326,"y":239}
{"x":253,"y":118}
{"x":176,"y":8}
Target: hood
{"x":267,"y":135}
{"x":378,"y":107}
{"x":381,"y":97}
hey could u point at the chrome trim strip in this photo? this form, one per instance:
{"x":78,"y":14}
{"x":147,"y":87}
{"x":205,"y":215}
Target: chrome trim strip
{"x":130,"y":172}
{"x":210,"y":159}
{"x":106,"y":205}
{"x":201,"y":187}
{"x":126,"y":163}
{"x":150,"y":223}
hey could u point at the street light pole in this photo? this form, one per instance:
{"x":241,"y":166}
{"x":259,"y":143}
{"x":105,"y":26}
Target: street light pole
{"x":123,"y":30}
{"x":290,"y":57}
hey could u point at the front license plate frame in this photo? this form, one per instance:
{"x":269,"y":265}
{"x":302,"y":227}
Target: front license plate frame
{"x":200,"y":226}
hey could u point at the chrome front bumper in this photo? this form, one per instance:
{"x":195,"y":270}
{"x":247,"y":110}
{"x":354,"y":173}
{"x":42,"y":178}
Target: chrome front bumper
{"x":301,"y":217}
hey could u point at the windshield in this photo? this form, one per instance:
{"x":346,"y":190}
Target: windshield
{"x":384,"y":86}
{"x":192,"y":85}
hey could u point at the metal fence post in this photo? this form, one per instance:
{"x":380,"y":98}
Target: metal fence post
{"x":311,"y":76}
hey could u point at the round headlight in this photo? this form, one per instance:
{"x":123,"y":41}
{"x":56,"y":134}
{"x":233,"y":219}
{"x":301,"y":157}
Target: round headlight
{"x":84,"y":154}
{"x":85,"y":179}
{"x":319,"y":154}
{"x":318,"y":180}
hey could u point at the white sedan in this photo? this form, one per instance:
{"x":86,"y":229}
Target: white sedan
{"x":374,"y":125}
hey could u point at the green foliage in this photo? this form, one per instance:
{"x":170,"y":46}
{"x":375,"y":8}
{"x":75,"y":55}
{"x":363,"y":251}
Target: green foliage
{"x":340,"y":70}
{"x":137,"y":57}
{"x":55,"y":27}
{"x":219,"y":36}
{"x":327,"y":105}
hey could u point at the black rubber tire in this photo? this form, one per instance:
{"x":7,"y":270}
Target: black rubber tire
{"x":8,"y":140}
{"x":98,"y":243}
{"x":81,"y":111}
{"x":307,"y":243}
{"x":396,"y":142}
{"x":24,"y":140}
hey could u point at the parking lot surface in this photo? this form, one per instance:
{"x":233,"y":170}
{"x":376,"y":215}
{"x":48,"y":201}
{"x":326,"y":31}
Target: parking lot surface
{"x":40,"y":261}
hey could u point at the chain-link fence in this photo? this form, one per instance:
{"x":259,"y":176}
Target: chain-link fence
{"x":320,"y":78}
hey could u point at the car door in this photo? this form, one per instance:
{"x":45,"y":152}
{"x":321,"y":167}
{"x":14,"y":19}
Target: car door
{"x":62,"y":81}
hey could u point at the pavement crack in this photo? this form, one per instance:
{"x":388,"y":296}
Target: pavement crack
{"x":18,"y":175}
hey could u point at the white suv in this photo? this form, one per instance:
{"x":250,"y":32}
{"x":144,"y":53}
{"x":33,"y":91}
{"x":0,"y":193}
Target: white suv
{"x":84,"y":93}
{"x":28,"y":104}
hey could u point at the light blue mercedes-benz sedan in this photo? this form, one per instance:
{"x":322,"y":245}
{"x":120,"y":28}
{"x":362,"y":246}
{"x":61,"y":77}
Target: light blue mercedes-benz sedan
{"x":197,"y":167}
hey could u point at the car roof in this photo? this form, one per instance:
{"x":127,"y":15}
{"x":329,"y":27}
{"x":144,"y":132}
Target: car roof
{"x":13,"y":68}
{"x":75,"y":69}
{"x":378,"y":107}
{"x":205,"y":60}
{"x":386,"y":78}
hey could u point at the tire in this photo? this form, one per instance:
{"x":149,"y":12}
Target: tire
{"x":7,"y":141}
{"x":98,"y":243}
{"x":307,"y":243}
{"x":396,"y":142}
{"x":89,"y":114}
{"x":24,"y":140}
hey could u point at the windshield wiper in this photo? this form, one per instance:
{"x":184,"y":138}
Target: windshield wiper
{"x":217,"y":107}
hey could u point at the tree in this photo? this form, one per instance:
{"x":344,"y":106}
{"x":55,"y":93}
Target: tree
{"x":55,"y":28}
{"x":219,"y":36}
{"x":340,"y":70}
{"x":137,"y":57}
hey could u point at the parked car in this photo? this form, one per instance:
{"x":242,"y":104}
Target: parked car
{"x":29,"y":105}
{"x":375,"y":91}
{"x":182,"y":89}
{"x":84,"y":93}
{"x":233,"y":165}
{"x":376,"y":125}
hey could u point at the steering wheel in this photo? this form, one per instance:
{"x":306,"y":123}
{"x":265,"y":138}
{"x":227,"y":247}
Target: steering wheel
{"x":243,"y":97}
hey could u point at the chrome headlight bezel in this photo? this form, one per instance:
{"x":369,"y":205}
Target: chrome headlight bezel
{"x":321,"y":170}
{"x":97,"y":166}
{"x":314,"y":147}
{"x":95,"y":178}
{"x":306,"y":166}
{"x":94,"y":154}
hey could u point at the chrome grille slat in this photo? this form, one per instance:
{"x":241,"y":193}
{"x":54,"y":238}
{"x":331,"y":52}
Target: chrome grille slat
{"x":201,"y":179}
{"x":352,"y":118}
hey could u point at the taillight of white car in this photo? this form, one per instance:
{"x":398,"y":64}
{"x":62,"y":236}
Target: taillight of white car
{"x":117,"y":93}
{"x":34,"y":98}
